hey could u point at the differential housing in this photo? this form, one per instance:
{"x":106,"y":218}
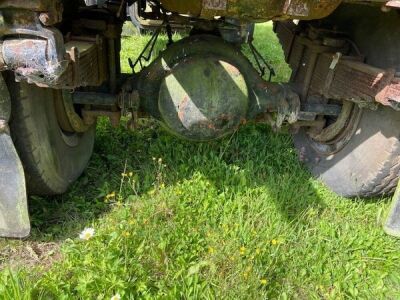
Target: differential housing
{"x":202,"y":88}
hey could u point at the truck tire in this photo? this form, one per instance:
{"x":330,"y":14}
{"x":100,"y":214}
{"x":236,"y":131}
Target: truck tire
{"x":52,"y":158}
{"x":367,"y":165}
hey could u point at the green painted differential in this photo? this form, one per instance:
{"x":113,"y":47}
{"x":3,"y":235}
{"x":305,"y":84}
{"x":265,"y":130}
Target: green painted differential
{"x":203,"y":98}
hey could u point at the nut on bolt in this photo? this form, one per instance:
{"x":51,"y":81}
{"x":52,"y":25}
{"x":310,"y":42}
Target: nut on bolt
{"x":50,"y":18}
{"x":46,"y":19}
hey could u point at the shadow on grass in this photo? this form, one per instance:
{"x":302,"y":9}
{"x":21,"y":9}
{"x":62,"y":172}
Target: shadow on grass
{"x":251,"y":158}
{"x":261,"y":156}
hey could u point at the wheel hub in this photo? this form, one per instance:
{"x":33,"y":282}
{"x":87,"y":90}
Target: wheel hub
{"x":68,"y":119}
{"x":336,"y":135}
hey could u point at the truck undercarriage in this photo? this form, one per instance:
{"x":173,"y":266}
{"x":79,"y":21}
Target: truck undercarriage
{"x":60,"y":63}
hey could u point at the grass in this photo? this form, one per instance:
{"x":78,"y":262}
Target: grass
{"x":235,"y":219}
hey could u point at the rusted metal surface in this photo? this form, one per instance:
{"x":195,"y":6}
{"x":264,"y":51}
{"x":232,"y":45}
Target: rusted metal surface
{"x":109,"y":105}
{"x":355,"y":81}
{"x":23,"y":35}
{"x":94,"y":105}
{"x":254,"y":9}
{"x":38,"y":52}
{"x":352,"y":80}
{"x":34,"y":5}
{"x":36,"y":19}
{"x":30,"y":58}
{"x":263,"y":10}
{"x":231,"y":91}
{"x":84,"y":64}
{"x":88,"y":64}
{"x":207,"y":111}
{"x":324,"y":70}
{"x":390,"y":95}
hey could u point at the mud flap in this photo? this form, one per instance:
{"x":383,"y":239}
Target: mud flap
{"x":14,"y":217}
{"x":392,"y":225}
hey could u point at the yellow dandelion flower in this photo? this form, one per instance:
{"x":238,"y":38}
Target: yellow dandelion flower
{"x":246,"y":275}
{"x":258,"y":251}
{"x":264,"y":281}
{"x":126,"y":234}
{"x":211,"y":250}
{"x":242,"y":250}
{"x":132,"y":222}
{"x":274,"y":242}
{"x":110,"y":195}
{"x":130,"y":174}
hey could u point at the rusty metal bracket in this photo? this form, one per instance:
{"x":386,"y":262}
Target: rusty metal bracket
{"x":38,"y":54}
{"x":40,"y":59}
